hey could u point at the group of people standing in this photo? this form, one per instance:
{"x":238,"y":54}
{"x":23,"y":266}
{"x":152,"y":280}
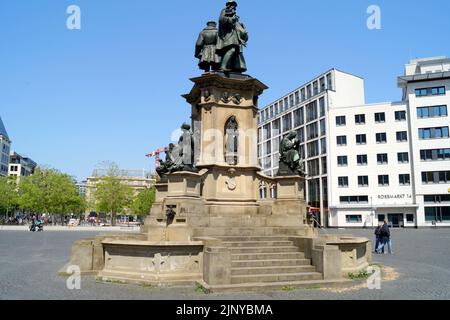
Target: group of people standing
{"x":383,"y":238}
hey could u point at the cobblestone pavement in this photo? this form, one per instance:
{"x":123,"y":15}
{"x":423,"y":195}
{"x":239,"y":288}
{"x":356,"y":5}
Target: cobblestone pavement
{"x":30,"y":262}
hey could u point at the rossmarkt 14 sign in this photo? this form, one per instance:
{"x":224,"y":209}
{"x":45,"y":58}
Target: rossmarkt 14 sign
{"x":395,"y":196}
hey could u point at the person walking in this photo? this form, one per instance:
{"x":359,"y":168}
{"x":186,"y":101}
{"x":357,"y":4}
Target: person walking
{"x":377,"y":237}
{"x":385,"y":238}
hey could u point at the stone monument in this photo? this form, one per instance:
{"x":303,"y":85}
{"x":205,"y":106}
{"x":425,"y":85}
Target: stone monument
{"x":217,"y":220}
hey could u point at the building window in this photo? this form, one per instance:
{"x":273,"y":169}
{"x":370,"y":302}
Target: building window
{"x":303,"y":94}
{"x":298,"y":117}
{"x":316,"y":87}
{"x":360,"y":119}
{"x":432,"y":112}
{"x":268,"y":148}
{"x":324,"y":165}
{"x":381,"y":137}
{"x":308,"y":91}
{"x":314,"y":167}
{"x":433,"y":133}
{"x":383,"y":180}
{"x":438,"y":214}
{"x":340,"y":121}
{"x":435,"y":177}
{"x":291,"y":101}
{"x":363,"y":181}
{"x":312,"y":131}
{"x":287,"y":123}
{"x":322,"y":84}
{"x":361,"y":160}
{"x":297,"y":97}
{"x":301,"y":134}
{"x":323,"y":146}
{"x":354,"y":218}
{"x":266,"y":132}
{"x":341,"y":140}
{"x":311,"y":111}
{"x":382,"y":158}
{"x":329,"y":82}
{"x":361,"y":139}
{"x":435,"y":154}
{"x":435,"y":91}
{"x":400,"y":115}
{"x":322,"y":106}
{"x":404,"y":179}
{"x":354,"y":199}
{"x":313,"y":149}
{"x":323,"y":128}
{"x":343,"y":182}
{"x":403,"y":157}
{"x":437,"y":199}
{"x":342,"y":161}
{"x":410,"y":218}
{"x":402,"y":136}
{"x":380,"y":117}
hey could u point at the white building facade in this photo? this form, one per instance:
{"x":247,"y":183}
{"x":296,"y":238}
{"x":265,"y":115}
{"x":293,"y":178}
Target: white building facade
{"x":5,"y":146}
{"x":20,"y":166}
{"x":368,"y":163}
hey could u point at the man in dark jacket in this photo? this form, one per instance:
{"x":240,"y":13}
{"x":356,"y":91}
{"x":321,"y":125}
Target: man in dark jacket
{"x":385,"y":238}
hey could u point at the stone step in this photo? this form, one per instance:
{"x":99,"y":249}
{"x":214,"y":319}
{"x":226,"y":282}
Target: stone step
{"x":269,"y":263}
{"x":280,"y":277}
{"x":272,"y":270}
{"x":253,"y":238}
{"x":258,"y":243}
{"x":265,"y":286}
{"x":235,"y":250}
{"x":267,"y":256}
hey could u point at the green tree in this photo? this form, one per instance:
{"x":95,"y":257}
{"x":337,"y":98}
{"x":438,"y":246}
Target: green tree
{"x":50,"y":191}
{"x":9,"y":198}
{"x":143,"y":201}
{"x":111,"y":195}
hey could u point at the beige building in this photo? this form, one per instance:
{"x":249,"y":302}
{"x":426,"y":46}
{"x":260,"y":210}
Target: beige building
{"x":138,"y":180}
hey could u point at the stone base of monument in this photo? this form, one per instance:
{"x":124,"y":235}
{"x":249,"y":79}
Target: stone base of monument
{"x":227,"y":227}
{"x":223,"y":250}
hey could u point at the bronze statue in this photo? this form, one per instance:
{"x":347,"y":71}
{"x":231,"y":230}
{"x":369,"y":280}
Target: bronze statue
{"x":179,"y":157}
{"x":289,"y":156}
{"x":205,"y":48}
{"x":232,"y":38}
{"x":231,"y":141}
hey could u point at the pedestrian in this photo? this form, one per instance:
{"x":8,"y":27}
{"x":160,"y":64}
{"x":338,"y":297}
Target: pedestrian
{"x":377,"y":237}
{"x":385,"y":238}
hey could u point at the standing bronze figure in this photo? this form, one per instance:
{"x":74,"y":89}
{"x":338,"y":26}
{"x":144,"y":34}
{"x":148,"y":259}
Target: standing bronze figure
{"x":232,"y":38}
{"x":205,"y":48}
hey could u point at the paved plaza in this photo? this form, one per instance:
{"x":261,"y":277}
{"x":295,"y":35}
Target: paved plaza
{"x":29,"y":265}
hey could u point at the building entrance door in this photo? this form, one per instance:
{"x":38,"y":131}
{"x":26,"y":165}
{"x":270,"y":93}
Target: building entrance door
{"x":396,"y":220}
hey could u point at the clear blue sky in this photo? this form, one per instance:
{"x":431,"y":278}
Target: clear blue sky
{"x":111,"y":91}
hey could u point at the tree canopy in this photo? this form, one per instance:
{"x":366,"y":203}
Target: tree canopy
{"x":143,"y":202}
{"x":8,"y":194}
{"x":111,"y":194}
{"x":51,"y":191}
